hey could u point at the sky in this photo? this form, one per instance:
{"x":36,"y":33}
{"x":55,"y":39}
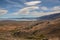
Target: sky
{"x":28,"y":8}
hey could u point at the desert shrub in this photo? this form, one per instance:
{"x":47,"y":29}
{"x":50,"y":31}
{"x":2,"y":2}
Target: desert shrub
{"x":26,"y":35}
{"x":16,"y":34}
{"x":20,"y":34}
{"x":37,"y":37}
{"x":3,"y":39}
{"x":1,"y":24}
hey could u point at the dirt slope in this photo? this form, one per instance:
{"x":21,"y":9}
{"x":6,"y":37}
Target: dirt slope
{"x":17,"y":30}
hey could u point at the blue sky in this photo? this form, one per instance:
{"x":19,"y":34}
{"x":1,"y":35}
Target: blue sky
{"x":28,"y":8}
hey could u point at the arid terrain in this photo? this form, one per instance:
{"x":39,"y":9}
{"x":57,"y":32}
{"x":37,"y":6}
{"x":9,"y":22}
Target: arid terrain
{"x":26,"y":30}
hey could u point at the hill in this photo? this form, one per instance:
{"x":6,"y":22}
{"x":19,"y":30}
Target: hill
{"x":11,"y":30}
{"x":49,"y":17}
{"x":44,"y":28}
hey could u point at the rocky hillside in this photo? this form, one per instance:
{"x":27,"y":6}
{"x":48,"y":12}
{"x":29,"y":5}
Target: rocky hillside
{"x":20,"y":30}
{"x":50,"y":17}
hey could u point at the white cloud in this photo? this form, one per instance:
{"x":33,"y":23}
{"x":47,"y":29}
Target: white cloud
{"x":26,"y":10}
{"x":56,"y":8}
{"x":3,"y":11}
{"x":39,"y":14}
{"x":54,"y":1}
{"x":32,"y":3}
{"x":53,"y":12}
{"x":14,"y":3}
{"x":44,"y":8}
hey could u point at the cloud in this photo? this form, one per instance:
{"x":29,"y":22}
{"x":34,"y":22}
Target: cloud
{"x":26,"y":10}
{"x":11,"y":2}
{"x":55,"y":1}
{"x":44,"y":8}
{"x":14,"y":3}
{"x":32,"y":3}
{"x":39,"y":14}
{"x":30,"y":11}
{"x":56,"y":8}
{"x":3,"y":11}
{"x":52,"y":12}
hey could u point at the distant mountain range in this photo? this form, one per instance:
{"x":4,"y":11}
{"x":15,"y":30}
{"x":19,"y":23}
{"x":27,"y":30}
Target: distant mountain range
{"x":49,"y":17}
{"x":46,"y":17}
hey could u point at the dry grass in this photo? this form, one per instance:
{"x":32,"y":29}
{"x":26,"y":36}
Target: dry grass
{"x":36,"y":30}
